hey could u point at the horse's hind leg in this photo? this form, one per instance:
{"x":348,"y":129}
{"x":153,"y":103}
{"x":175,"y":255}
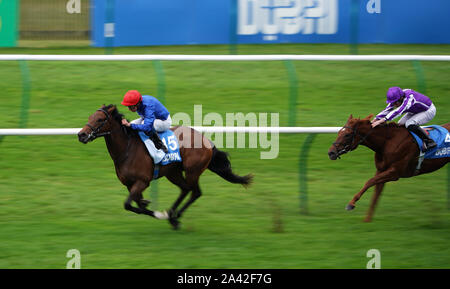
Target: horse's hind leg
{"x":196,"y":193}
{"x":173,"y":213}
{"x":190,"y":183}
{"x":176,"y":177}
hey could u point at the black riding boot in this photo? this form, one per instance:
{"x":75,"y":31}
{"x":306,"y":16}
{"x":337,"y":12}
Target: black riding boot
{"x":159,"y":145}
{"x":428,"y":143}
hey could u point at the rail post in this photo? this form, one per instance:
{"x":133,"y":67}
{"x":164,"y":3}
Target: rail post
{"x":26,"y":88}
{"x":161,"y":95}
{"x":109,"y":26}
{"x":303,"y":173}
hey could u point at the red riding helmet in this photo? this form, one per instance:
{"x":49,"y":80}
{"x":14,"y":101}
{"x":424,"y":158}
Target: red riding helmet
{"x":132,"y":97}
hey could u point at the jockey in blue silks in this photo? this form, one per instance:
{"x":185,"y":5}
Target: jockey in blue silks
{"x":418,"y":110}
{"x":154,"y":117}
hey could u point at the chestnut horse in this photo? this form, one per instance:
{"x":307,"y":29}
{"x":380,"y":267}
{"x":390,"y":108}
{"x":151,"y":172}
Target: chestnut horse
{"x":135,"y":167}
{"x":396,"y":154}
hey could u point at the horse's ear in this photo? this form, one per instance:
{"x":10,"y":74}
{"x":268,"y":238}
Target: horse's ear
{"x":351,"y":116}
{"x":112,"y":107}
{"x":369,"y":117}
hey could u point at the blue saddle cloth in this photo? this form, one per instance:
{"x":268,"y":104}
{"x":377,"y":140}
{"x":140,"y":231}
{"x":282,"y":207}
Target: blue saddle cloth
{"x":442,"y":138}
{"x":170,"y":141}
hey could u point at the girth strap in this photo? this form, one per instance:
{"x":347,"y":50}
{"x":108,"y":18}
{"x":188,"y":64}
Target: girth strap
{"x":156,"y":172}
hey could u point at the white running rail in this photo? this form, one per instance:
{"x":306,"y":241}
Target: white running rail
{"x":138,"y":57}
{"x":211,"y":129}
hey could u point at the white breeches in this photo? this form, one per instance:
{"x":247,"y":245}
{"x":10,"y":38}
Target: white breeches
{"x":420,"y":118}
{"x":158,"y":125}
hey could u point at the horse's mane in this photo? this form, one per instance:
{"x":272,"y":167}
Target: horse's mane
{"x":394,"y":125}
{"x":117,"y":116}
{"x":391,"y":125}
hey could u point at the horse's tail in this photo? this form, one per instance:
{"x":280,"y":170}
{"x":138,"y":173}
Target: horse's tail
{"x":222,"y":166}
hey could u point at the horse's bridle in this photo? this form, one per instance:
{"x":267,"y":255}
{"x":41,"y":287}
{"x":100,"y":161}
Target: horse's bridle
{"x":348,"y":147}
{"x":95,"y":131}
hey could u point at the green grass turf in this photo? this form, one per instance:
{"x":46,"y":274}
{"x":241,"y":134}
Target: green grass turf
{"x":57,"y":194}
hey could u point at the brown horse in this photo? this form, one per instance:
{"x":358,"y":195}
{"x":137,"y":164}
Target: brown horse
{"x":135,"y":167}
{"x":396,"y":154}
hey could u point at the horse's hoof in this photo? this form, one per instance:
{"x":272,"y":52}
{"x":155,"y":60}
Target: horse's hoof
{"x":175,"y":224}
{"x":349,"y":207}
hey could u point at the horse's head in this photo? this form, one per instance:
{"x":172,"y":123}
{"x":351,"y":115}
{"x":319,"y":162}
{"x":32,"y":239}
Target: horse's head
{"x":352,"y":134}
{"x":99,"y":124}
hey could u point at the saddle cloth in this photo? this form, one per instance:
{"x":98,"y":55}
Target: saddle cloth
{"x":442,"y":138}
{"x":170,"y":141}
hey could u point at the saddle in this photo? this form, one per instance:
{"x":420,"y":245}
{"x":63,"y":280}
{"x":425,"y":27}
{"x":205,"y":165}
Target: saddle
{"x":169,"y":139}
{"x":442,"y":138}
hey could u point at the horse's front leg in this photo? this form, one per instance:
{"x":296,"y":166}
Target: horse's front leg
{"x":380,"y":178}
{"x":143,"y":204}
{"x":373,"y":204}
{"x":136,"y":195}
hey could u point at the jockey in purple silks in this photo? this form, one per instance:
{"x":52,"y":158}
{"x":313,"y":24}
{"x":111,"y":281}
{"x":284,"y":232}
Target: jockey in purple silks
{"x":418,"y":110}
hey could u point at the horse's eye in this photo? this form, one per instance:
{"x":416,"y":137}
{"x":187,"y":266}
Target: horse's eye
{"x":347,"y":136}
{"x":100,"y":120}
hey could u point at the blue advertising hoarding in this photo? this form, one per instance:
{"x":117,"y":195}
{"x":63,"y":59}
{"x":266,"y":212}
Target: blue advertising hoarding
{"x":173,"y":22}
{"x":160,"y":22}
